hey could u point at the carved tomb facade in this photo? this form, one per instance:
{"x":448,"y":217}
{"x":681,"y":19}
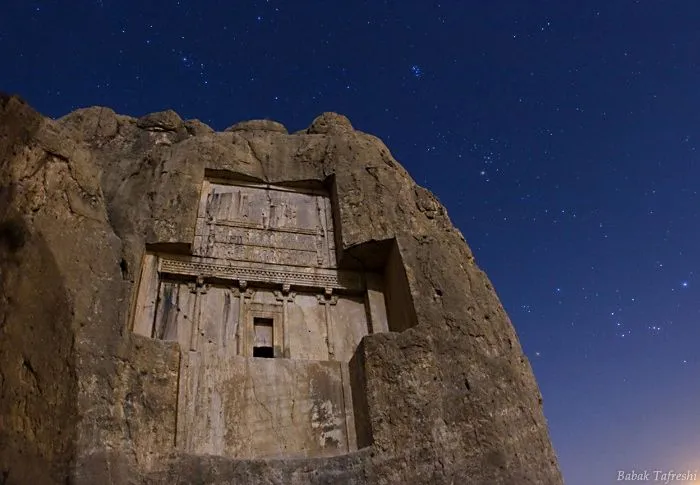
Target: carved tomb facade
{"x":266,"y":322}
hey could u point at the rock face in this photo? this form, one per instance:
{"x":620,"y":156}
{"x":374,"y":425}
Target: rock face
{"x":179,"y":305}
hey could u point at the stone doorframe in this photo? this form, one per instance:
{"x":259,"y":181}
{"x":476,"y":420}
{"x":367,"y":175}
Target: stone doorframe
{"x":272,"y":312}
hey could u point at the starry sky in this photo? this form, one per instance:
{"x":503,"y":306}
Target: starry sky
{"x":562,"y":136}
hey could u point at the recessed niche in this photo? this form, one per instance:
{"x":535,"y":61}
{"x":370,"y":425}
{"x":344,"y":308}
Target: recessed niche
{"x":263,"y":346}
{"x":268,"y":324}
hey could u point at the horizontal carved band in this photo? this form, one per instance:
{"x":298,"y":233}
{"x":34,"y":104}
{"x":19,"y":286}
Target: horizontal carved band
{"x":264,"y":273}
{"x":239,"y":223}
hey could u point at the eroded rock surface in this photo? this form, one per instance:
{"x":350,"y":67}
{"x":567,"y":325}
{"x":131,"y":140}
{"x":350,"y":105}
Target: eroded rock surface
{"x":429,"y":386}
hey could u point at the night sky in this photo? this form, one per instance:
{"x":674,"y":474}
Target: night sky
{"x":562,"y":136}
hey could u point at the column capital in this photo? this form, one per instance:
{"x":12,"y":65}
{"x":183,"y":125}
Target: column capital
{"x":285,"y":295}
{"x":198,"y":286}
{"x":327,"y":299}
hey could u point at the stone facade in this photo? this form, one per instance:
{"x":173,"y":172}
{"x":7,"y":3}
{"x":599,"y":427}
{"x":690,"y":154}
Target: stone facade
{"x":179,"y":305}
{"x":261,"y":282}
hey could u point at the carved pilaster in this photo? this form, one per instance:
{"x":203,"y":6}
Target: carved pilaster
{"x":227,"y":333}
{"x":198,"y":288}
{"x":242,"y":330}
{"x":329,"y":300}
{"x":286,"y":296}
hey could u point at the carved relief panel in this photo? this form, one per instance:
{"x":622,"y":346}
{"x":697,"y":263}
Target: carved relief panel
{"x":254,"y":222}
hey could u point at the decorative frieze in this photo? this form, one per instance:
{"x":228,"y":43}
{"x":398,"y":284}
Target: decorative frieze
{"x":264,"y":273}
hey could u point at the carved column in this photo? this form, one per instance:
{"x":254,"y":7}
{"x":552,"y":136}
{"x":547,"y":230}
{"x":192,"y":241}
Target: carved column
{"x":285,"y":296}
{"x":199,"y":288}
{"x":226,"y":331}
{"x":242,"y":331}
{"x":328,"y":299}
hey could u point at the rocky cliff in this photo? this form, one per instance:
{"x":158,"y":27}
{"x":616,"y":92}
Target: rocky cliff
{"x":448,"y":395}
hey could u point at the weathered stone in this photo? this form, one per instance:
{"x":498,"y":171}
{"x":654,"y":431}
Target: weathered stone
{"x":330,"y":123}
{"x":167,"y":120}
{"x":184,"y":306}
{"x":92,"y":123}
{"x":258,"y":125}
{"x":196,"y":128}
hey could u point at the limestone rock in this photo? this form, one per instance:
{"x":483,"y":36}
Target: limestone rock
{"x":179,"y":305}
{"x":330,"y":123}
{"x":196,"y":128}
{"x":258,"y":125}
{"x":162,"y":121}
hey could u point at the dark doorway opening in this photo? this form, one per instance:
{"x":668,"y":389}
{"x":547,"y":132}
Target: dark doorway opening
{"x":263,"y":345}
{"x":267,"y":352}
